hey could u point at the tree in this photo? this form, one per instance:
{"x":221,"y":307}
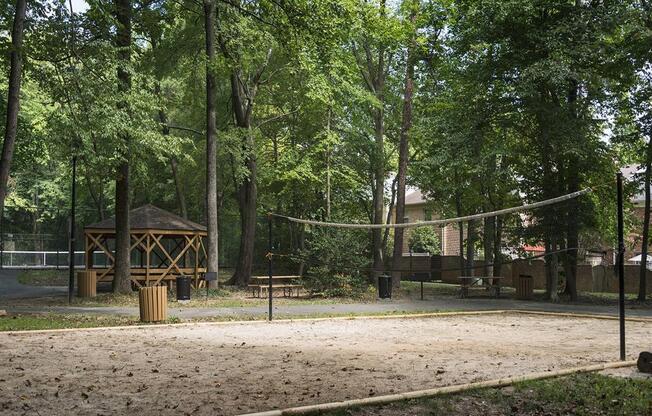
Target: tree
{"x":374,"y":55}
{"x":13,"y":99}
{"x":403,"y":148}
{"x":211,"y":146}
{"x":122,"y":265}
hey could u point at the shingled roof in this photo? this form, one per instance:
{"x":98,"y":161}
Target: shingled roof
{"x":149,"y":217}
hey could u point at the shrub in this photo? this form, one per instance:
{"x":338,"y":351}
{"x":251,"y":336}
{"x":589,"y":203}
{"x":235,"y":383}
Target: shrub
{"x":424,"y":240}
{"x":335,"y":262}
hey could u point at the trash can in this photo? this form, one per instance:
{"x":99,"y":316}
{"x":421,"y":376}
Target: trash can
{"x":153,"y":302}
{"x":525,"y":287}
{"x":384,"y":286}
{"x":183,"y":288}
{"x":87,"y":284}
{"x":644,"y":362}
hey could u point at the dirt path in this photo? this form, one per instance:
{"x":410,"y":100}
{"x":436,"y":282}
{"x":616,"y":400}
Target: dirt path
{"x":236,"y":368}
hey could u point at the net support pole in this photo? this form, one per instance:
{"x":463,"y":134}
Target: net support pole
{"x":269,"y":265}
{"x":621,"y":265}
{"x":71,"y":252}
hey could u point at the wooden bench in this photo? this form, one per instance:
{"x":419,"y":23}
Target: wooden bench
{"x":260,"y":284}
{"x":490,"y":282}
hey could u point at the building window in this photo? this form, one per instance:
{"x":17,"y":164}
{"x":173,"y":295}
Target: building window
{"x":427,"y":215}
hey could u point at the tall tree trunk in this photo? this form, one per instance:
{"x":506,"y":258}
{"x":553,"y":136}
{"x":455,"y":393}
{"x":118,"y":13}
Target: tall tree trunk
{"x":379,"y":190}
{"x":460,"y":230}
{"x":390,"y":209}
{"x":122,"y":276}
{"x":572,"y":216}
{"x":488,"y":241}
{"x":642,"y":279}
{"x":246,"y":191}
{"x":328,"y":165}
{"x":403,"y":148}
{"x":376,"y":74}
{"x":498,"y":259}
{"x":247,"y":194}
{"x":13,"y":99}
{"x":211,"y":145}
{"x":470,"y":247}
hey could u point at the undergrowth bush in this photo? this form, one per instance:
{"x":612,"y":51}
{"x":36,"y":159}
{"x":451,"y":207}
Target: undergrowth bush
{"x":336,"y":262}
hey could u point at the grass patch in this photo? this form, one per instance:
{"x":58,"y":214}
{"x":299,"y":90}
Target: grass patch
{"x":225,"y":297}
{"x":44,"y":277}
{"x":581,"y":395}
{"x":59,"y":321}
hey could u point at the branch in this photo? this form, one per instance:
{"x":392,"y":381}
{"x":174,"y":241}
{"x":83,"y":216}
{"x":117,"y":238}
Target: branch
{"x":201,"y":133}
{"x":365,"y":76}
{"x":269,"y":120}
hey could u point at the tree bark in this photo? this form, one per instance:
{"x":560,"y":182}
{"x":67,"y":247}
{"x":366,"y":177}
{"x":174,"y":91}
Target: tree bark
{"x":572,"y":215}
{"x":403,"y":149}
{"x":13,"y":98}
{"x":247,"y":191}
{"x":498,"y":259}
{"x":489,"y":236}
{"x":211,"y":145}
{"x":470,"y":247}
{"x":247,"y":195}
{"x":642,"y":282}
{"x":122,"y":272}
{"x":328,"y":165}
{"x":460,"y":230}
{"x":379,"y":190}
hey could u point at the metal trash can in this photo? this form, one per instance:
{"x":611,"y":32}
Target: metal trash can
{"x":644,"y":362}
{"x":384,"y":286}
{"x":525,"y":287}
{"x":183,"y":288}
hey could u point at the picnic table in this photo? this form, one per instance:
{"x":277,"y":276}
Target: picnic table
{"x":289,"y":284}
{"x":490,"y":282}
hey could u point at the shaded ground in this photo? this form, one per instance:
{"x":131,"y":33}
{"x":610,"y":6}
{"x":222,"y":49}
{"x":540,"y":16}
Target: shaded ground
{"x":236,"y":368}
{"x":293,"y":308}
{"x":582,"y":395}
{"x":21,"y":299}
{"x":10,"y":288}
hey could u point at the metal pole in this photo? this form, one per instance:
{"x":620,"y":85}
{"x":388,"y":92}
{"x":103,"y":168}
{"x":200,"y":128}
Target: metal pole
{"x":269,"y":263}
{"x":71,"y":252}
{"x":621,"y":265}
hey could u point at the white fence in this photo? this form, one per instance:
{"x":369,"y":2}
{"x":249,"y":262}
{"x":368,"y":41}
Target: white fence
{"x":40,"y":259}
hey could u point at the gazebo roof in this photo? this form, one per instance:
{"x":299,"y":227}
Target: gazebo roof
{"x":149,"y":217}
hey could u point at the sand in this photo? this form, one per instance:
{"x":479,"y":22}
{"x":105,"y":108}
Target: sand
{"x":227,"y":369}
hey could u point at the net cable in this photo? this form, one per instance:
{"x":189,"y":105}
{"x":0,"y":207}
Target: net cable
{"x":443,"y":221}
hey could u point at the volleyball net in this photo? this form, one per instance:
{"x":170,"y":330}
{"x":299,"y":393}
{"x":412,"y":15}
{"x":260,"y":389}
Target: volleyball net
{"x":340,"y":258}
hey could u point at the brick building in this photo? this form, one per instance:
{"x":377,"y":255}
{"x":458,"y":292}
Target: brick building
{"x":416,"y":209}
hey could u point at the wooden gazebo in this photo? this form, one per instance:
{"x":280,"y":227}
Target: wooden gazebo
{"x":163,"y":246}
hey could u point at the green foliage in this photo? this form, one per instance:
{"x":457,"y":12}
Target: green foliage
{"x":424,"y":240}
{"x":335,"y":261}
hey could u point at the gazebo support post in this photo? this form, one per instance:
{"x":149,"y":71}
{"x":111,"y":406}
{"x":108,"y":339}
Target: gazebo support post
{"x":147,"y":255}
{"x":195,"y":245}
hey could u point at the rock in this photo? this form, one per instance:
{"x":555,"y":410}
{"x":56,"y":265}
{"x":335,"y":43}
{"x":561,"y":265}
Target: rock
{"x":3,"y":312}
